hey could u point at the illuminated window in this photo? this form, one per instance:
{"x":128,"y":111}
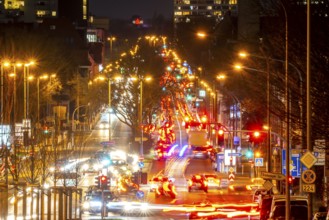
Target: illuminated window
{"x":233,"y":2}
{"x":209,"y":7}
{"x":41,"y":13}
{"x":178,"y":13}
{"x":186,"y":1}
{"x":53,"y":13}
{"x":91,"y":38}
{"x":186,"y":13}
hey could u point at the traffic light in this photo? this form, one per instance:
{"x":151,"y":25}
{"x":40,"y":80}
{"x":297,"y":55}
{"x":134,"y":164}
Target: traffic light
{"x":256,"y":137}
{"x":135,"y":177}
{"x":97,"y":182}
{"x":249,"y":154}
{"x":104,"y":182}
{"x":220,"y":137}
{"x":290,"y":180}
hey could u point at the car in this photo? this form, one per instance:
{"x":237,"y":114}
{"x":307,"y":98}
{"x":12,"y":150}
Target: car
{"x":198,"y":182}
{"x":166,"y":188}
{"x":201,"y":152}
{"x":213,"y":180}
{"x":156,"y":181}
{"x":104,"y":125}
{"x":299,"y":212}
{"x":258,"y":193}
{"x":239,"y":187}
{"x":91,"y":166}
{"x":320,"y":216}
{"x":296,"y":202}
{"x":265,"y":207}
{"x":94,"y":199}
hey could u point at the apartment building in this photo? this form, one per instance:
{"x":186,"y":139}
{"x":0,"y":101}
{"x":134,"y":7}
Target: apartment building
{"x":188,"y":10}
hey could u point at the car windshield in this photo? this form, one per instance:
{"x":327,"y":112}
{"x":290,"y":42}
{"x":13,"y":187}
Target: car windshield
{"x":297,"y":212}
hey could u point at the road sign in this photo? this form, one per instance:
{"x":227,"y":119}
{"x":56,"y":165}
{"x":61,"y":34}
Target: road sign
{"x":259,"y":162}
{"x":268,"y":185}
{"x":107,"y":143}
{"x":140,"y":194}
{"x":231,"y":177}
{"x":234,"y":154}
{"x":308,"y":188}
{"x":231,"y":169}
{"x":141,"y":164}
{"x":308,"y":159}
{"x":308,"y":176}
{"x":273,"y":176}
{"x":296,"y":167}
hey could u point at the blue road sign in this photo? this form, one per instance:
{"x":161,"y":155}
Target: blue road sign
{"x":235,"y":154}
{"x":259,"y":162}
{"x":296,"y":167}
{"x":141,"y":164}
{"x":140,"y":194}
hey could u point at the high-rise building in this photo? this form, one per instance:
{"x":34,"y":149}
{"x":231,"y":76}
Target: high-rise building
{"x":31,"y":11}
{"x":189,"y":10}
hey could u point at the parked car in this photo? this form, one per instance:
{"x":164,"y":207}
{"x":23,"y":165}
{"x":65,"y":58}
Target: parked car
{"x":299,"y":212}
{"x":298,"y":207}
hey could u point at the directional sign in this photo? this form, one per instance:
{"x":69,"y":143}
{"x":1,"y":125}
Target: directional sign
{"x":140,"y":194}
{"x":273,"y":176}
{"x":259,"y":162}
{"x":107,"y":143}
{"x":308,"y":176}
{"x":235,"y":154}
{"x":296,"y":167}
{"x":141,"y":164}
{"x":231,"y":177}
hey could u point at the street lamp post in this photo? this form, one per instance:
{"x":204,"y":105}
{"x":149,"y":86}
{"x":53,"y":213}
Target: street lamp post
{"x":42,"y":77}
{"x":140,"y":116}
{"x":111,"y":39}
{"x":109,"y":81}
{"x":73,"y":124}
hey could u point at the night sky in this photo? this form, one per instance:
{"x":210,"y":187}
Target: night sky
{"x":125,"y":9}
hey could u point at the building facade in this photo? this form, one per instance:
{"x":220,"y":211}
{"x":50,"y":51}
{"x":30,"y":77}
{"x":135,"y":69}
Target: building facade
{"x":188,"y":10}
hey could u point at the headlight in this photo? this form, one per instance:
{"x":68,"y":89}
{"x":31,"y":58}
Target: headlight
{"x":231,"y":187}
{"x":85,"y":167}
{"x":86,"y":205}
{"x":144,"y":206}
{"x":95,"y":204}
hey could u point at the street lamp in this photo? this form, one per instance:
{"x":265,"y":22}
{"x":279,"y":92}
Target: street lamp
{"x":244,"y":54}
{"x":111,"y":39}
{"x":102,"y":78}
{"x":26,"y":88}
{"x":239,"y":67}
{"x":41,"y":77}
{"x":140,"y":115}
